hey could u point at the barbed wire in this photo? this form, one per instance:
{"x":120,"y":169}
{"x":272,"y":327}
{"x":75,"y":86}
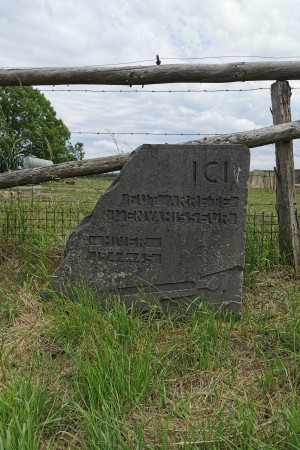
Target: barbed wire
{"x":178,"y":59}
{"x":236,"y":56}
{"x":196,"y":59}
{"x":111,"y":133}
{"x":168,"y":91}
{"x":155,"y":90}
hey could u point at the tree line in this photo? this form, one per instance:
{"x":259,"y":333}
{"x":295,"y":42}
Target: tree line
{"x":29,"y":126}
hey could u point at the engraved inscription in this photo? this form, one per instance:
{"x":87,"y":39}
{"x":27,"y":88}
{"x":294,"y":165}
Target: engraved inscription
{"x":181,"y":201}
{"x":187,"y":289}
{"x":194,"y":171}
{"x":131,"y":249}
{"x":176,"y":209}
{"x":211,"y":283}
{"x":153,"y":216}
{"x":213,"y":172}
{"x":209,"y":174}
{"x":225,"y":172}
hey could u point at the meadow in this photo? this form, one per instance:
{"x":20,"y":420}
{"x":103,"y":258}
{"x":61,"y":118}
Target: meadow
{"x":77,"y":375}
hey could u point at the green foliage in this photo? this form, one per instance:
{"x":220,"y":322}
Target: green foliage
{"x":75,"y":152}
{"x":26,"y":413}
{"x":28,"y":125}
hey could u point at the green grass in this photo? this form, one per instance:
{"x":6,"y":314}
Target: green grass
{"x":28,"y":413}
{"x":264,"y":200}
{"x":80,"y":375}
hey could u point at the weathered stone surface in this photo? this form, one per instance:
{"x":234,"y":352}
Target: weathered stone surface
{"x":171,"y":229}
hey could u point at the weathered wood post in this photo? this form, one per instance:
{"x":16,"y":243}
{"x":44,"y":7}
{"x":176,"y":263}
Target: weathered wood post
{"x":289,"y":239}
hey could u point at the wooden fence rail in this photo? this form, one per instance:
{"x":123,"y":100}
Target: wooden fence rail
{"x":143,"y":75}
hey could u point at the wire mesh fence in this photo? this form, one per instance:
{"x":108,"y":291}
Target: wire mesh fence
{"x":48,"y":213}
{"x":61,"y":221}
{"x":56,"y":220}
{"x":262,"y":248}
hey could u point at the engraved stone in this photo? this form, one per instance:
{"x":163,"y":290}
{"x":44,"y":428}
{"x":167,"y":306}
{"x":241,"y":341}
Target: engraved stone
{"x":170,"y":230}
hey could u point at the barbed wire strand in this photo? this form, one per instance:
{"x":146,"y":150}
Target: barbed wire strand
{"x":178,"y":59}
{"x":132,"y":133}
{"x":168,"y":91}
{"x":153,"y":90}
{"x":197,"y":59}
{"x":235,"y":56}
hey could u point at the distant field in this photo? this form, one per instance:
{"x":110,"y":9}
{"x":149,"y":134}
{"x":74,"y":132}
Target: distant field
{"x":89,"y":190}
{"x":85,"y":190}
{"x":265,"y":199}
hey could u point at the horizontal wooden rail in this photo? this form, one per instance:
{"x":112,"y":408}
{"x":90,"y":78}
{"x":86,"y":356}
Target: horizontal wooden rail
{"x":254,"y":138}
{"x":93,"y":166}
{"x":257,"y":137}
{"x":143,"y":75}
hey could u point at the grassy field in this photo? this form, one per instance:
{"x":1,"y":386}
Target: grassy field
{"x":74,"y":375}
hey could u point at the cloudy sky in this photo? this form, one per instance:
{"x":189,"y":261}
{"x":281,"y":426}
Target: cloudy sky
{"x":45,"y":33}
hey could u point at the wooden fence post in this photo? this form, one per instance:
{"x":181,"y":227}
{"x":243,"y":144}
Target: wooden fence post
{"x":289,"y":239}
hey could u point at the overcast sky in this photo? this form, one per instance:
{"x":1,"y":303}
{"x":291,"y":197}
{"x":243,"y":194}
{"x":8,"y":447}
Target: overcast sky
{"x":39,"y":33}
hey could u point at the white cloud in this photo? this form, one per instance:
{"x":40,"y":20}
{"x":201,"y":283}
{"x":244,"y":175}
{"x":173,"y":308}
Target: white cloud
{"x":92,"y":32}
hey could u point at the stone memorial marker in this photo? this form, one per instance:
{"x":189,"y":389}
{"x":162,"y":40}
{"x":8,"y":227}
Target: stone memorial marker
{"x":171,"y":229}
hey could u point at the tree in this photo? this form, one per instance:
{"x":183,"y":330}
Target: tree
{"x":28,"y":125}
